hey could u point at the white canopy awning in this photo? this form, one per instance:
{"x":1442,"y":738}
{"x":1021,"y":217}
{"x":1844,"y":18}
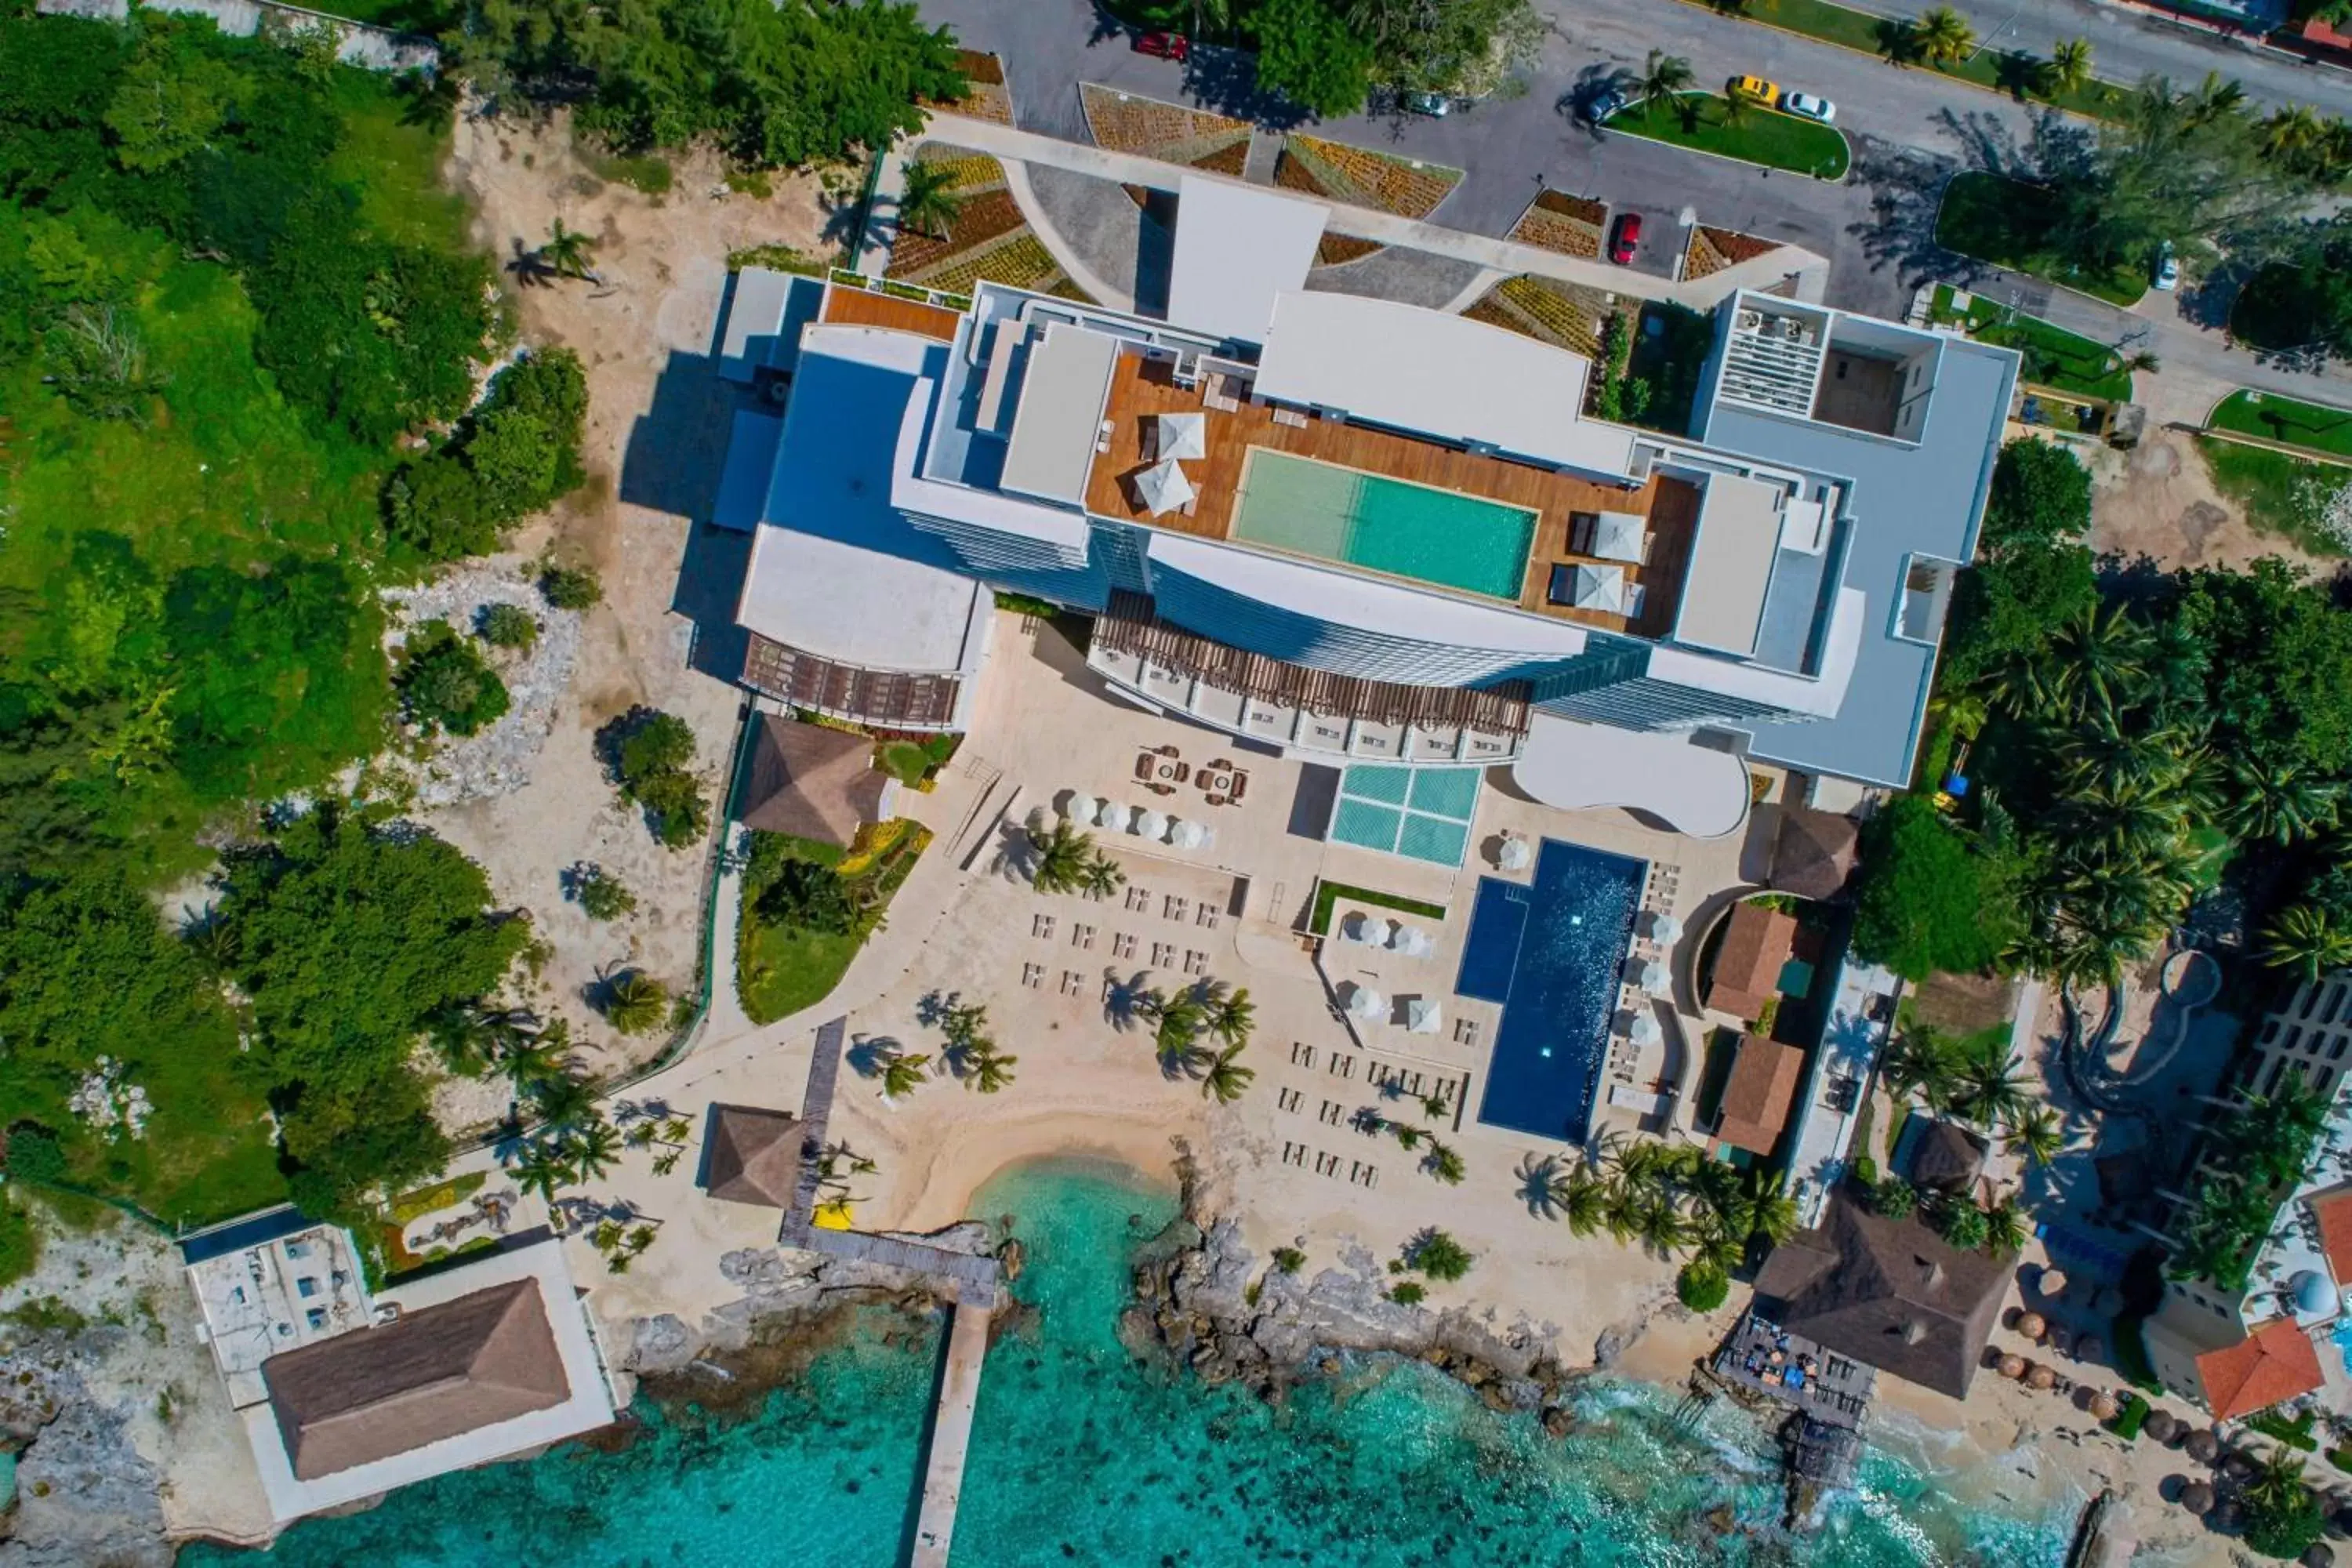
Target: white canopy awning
{"x":1183,"y":435}
{"x":1597,"y":588}
{"x":1162,"y":487}
{"x":1617,"y":536}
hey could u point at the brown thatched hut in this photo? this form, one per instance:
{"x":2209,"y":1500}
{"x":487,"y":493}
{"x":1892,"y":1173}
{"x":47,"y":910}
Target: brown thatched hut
{"x":2042,"y":1377}
{"x":2318,"y":1554}
{"x":2031,"y":1325}
{"x":1814,"y":852}
{"x":2203,"y":1445}
{"x":751,"y":1155}
{"x":2161,"y":1424}
{"x":2103,"y":1407}
{"x":2012,"y":1365}
{"x":812,"y":782}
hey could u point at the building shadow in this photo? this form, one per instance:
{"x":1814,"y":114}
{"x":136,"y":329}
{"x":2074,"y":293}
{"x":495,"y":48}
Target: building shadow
{"x":678,"y":447}
{"x":710,"y":584}
{"x":1155,"y":258}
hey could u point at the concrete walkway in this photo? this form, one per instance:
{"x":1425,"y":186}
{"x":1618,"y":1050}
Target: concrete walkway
{"x":1065,"y":256}
{"x":1127,"y":168}
{"x":950,"y":1439}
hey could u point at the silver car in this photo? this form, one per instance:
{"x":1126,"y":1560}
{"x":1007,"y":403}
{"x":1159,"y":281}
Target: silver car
{"x":1806,"y":105}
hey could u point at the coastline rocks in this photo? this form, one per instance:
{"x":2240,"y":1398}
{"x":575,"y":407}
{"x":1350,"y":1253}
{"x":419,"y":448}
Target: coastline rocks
{"x":84,"y":1495}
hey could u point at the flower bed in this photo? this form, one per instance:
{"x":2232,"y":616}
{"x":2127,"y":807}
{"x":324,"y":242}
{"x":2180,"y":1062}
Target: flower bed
{"x":987,"y":98}
{"x":1126,"y":123}
{"x":1019,"y":262}
{"x":1713,"y":249}
{"x":1333,"y":249}
{"x":1560,"y":314}
{"x":1362,"y":177}
{"x":984,"y":217}
{"x":1557,"y":221}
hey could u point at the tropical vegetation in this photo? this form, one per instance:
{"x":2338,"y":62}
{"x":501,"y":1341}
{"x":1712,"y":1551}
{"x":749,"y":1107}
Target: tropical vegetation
{"x":2256,"y":1147}
{"x":1670,"y":1199}
{"x":1067,"y":861}
{"x":971,"y":1055}
{"x":649,"y":756}
{"x":805,"y":913}
{"x":1200,"y":1032}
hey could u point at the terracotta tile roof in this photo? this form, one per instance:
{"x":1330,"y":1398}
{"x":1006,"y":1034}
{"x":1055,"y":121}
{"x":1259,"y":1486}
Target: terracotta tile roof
{"x":1756,"y":945}
{"x":2333,"y":1214}
{"x":2274,"y":1362}
{"x":1756,"y":1097}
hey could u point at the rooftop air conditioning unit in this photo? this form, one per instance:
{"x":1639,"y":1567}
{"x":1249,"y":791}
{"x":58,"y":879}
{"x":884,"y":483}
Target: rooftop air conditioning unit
{"x":1751,"y":321}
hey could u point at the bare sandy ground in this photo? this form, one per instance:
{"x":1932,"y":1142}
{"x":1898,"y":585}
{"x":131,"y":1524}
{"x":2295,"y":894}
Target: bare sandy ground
{"x":2158,"y":501}
{"x":658,"y":427}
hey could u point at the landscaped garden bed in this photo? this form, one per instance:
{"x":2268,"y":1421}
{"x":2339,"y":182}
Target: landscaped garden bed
{"x":1713,"y":249}
{"x":2289,"y":497}
{"x":793,"y":946}
{"x":1705,"y":122}
{"x":988,"y":239}
{"x":1361,"y":177}
{"x":1564,"y":315}
{"x":1319,"y":920}
{"x":2310,"y":426}
{"x":1125,"y":123}
{"x":989,"y":99}
{"x":2008,"y":222}
{"x":1555,"y":220}
{"x":2053,"y":357}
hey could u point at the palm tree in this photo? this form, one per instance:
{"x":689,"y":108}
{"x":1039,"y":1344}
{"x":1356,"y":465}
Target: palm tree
{"x":1990,"y":1090}
{"x":1772,"y":1214}
{"x":1443,"y":1163}
{"x":1435,"y":1107}
{"x":2037,"y":1136}
{"x":1942,"y":34}
{"x":2306,"y":939}
{"x":2279,"y":1481}
{"x":1101,"y":875}
{"x":2213,"y":99}
{"x":1064,"y":855}
{"x":1231,"y":1016}
{"x":2004,"y":1227}
{"x":530,"y":1065}
{"x":1583,"y":1200}
{"x":2278,"y":801}
{"x":991,"y":1071}
{"x":2068,"y":68}
{"x":1664,"y":77}
{"x":568,"y":253}
{"x":1660,"y":1224}
{"x":590,"y":1150}
{"x":1225,"y":1078}
{"x":1918,"y":1061}
{"x":635,"y":1001}
{"x":903,"y":1074}
{"x":542,"y":1170}
{"x":1181,"y":1018}
{"x":928,"y":204}
{"x":2290,"y":134}
{"x":1211,"y":16}
{"x":2097,"y":660}
{"x":564,"y":1103}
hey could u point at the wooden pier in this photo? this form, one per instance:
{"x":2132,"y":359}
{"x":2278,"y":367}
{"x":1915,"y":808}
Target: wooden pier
{"x":950,"y":1437}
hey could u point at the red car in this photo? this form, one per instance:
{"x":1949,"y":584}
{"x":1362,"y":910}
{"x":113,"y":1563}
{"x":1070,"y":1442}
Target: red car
{"x":1167,"y":46}
{"x":1625,"y":239}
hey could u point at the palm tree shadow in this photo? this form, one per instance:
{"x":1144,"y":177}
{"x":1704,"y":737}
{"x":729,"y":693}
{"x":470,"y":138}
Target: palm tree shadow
{"x":1121,"y":999}
{"x":530,"y":266}
{"x":1536,"y":1175}
{"x":869,"y":1055}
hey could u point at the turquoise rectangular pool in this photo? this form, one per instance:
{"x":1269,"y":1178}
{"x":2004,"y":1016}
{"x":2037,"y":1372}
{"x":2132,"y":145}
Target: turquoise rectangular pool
{"x":1405,"y":530}
{"x":1423,"y":813}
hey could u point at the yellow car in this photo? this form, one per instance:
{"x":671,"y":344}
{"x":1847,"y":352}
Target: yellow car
{"x":1756,"y":90}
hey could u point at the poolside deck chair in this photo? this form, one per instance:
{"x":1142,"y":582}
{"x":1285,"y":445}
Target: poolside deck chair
{"x":1240,"y":785}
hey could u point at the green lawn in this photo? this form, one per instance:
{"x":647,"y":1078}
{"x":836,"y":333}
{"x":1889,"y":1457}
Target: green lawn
{"x":1702,"y":121}
{"x":2277,"y":491}
{"x":2008,"y":222}
{"x":779,"y":970}
{"x":2055,"y":357}
{"x":2276,"y":418}
{"x":2013,"y":74}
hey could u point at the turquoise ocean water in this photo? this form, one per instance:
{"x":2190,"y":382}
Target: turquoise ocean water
{"x":1081,"y":1455}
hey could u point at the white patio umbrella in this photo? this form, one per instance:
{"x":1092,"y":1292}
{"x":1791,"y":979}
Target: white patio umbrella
{"x":1183,"y":435}
{"x":1665,"y":927}
{"x":1384,"y":933}
{"x":1618,"y":536}
{"x":1414,"y":942}
{"x":1149,"y":824}
{"x":1187,"y":836}
{"x":1649,"y":975}
{"x":1597,"y":588}
{"x":1367,"y":1004}
{"x":1083,"y":808}
{"x":1115,"y":815}
{"x":1644,"y":1030}
{"x":1422,"y":1015}
{"x":1041,"y":820}
{"x":1163,"y":487}
{"x":1515,"y":855}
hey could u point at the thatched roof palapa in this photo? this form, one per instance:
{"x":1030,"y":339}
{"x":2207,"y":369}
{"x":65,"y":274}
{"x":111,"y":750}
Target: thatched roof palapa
{"x":1814,"y":853}
{"x":751,"y":1155}
{"x":811,"y":782}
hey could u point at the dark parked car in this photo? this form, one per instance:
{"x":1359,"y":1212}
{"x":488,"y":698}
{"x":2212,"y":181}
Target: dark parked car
{"x":1625,"y":239}
{"x":1167,"y":46}
{"x":1597,"y":110}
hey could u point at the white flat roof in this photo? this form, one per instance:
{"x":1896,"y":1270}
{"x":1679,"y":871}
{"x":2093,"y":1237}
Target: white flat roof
{"x":1344,"y":598}
{"x":1577,"y":766}
{"x":1730,"y":565}
{"x":859,"y":607}
{"x":1237,"y":250}
{"x":1439,"y":376}
{"x":1060,"y":416}
{"x":590,"y":1407}
{"x":753,"y":319}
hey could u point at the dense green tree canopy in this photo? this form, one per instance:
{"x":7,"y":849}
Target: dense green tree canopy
{"x":1932,"y":900}
{"x":1308,"y":54}
{"x":2041,"y":494}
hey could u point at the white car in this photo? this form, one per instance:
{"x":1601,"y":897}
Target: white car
{"x":1809,"y":107}
{"x":2168,"y":269}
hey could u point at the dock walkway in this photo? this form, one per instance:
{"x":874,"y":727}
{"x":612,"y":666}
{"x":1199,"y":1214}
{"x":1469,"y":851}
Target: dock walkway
{"x":950,"y":1437}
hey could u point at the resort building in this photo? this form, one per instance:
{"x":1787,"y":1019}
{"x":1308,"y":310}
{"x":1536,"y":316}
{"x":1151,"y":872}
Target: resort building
{"x":2309,"y":1036}
{"x":1354,"y":530}
{"x":1757,"y":1098}
{"x":1757,"y":944}
{"x":345,"y":1394}
{"x":811,"y":782}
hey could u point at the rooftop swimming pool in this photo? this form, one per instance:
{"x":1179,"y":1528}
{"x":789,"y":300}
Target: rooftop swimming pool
{"x":1550,"y":953}
{"x":1312,"y":508}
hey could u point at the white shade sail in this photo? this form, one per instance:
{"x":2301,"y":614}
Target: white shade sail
{"x":1183,"y":435}
{"x":1163,"y":487}
{"x":1617,"y":536}
{"x":1187,"y":836}
{"x":1597,"y":588}
{"x":1116,"y":815}
{"x":1149,"y":824}
{"x":1644,"y":1030}
{"x":1367,"y":1003}
{"x":1414,"y":943}
{"x":1515,"y":855}
{"x":1422,"y":1015}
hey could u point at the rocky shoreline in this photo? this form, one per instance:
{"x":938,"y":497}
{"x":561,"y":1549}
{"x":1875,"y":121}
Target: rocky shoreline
{"x":84,"y":1494}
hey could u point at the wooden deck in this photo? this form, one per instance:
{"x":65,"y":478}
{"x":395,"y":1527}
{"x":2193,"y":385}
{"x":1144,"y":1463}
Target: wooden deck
{"x":950,"y":1437}
{"x":857,"y":308}
{"x":1142,"y":389}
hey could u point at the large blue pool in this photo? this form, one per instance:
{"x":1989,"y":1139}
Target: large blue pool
{"x":1551,"y":954}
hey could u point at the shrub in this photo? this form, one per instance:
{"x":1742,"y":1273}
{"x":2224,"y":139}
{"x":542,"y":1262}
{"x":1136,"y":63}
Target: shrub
{"x":1289,"y":1259}
{"x":445,"y":685}
{"x":34,"y":1153}
{"x":1929,"y":900}
{"x":20,"y":1242}
{"x":1895,"y":1198}
{"x":513,"y":455}
{"x":570,"y":587}
{"x":2040,"y":495}
{"x":1865,"y":1171}
{"x":601,"y":895}
{"x":2285,"y":1528}
{"x":1439,"y":1255}
{"x":1407,"y":1294}
{"x":1963,"y":1224}
{"x":648,"y":753}
{"x":2131,"y":1417}
{"x":1702,"y":1286}
{"x":509,"y":625}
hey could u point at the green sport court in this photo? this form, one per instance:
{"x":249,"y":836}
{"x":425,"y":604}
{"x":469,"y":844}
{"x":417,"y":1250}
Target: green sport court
{"x":1311,"y":508}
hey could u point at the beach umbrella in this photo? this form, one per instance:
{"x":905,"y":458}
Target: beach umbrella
{"x":1597,"y":588}
{"x":1422,"y":1015}
{"x":1149,"y":824}
{"x":1041,"y":821}
{"x":1384,"y":933}
{"x":2161,"y":1424}
{"x":1187,"y":836}
{"x":1644,"y":1030}
{"x":1664,"y":929}
{"x":1414,"y":942}
{"x":1515,"y":855}
{"x":1617,"y":535}
{"x":2318,"y":1554}
{"x":1115,"y":815}
{"x":1367,"y":1004}
{"x":2227,"y":1515}
{"x":2054,"y":1283}
{"x":1356,"y":928}
{"x":1163,"y":487}
{"x":1083,"y":808}
{"x":2031,"y":1325}
{"x":2042,"y":1377}
{"x":2203,"y":1447}
{"x":2197,"y":1496}
{"x":2103,"y":1407}
{"x":1183,"y":435}
{"x":1646,"y":974}
{"x":2012,"y":1366}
